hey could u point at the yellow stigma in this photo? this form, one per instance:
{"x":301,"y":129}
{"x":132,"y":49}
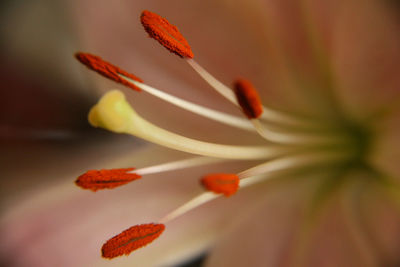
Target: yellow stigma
{"x":112,"y":112}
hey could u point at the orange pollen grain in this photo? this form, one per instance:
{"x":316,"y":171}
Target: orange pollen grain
{"x":106,"y":179}
{"x":131,"y":239}
{"x":166,"y":34}
{"x":107,"y":70}
{"x":221,"y":183}
{"x":248,"y":98}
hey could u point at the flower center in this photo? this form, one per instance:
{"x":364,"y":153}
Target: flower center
{"x":291,"y":143}
{"x":360,"y":139}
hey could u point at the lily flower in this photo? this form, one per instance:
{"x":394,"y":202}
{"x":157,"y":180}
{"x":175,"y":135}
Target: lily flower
{"x":311,"y":177}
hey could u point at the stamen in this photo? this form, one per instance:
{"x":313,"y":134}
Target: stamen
{"x":176,"y":165}
{"x":280,"y":136}
{"x":213,"y":82}
{"x":221,"y":183}
{"x":248,"y":99}
{"x":259,"y":174}
{"x":110,"y":178}
{"x":121,"y":76}
{"x":113,"y":113}
{"x":106,"y":69}
{"x":190,"y":205}
{"x":284,"y":137}
{"x":169,"y":36}
{"x":131,"y":239}
{"x":196,"y":109}
{"x":250,"y":103}
{"x":106,"y":179}
{"x":291,"y":162}
{"x":166,"y":34}
{"x":268,"y":113}
{"x":117,"y":74}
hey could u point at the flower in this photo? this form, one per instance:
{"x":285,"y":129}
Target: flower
{"x":339,"y":214}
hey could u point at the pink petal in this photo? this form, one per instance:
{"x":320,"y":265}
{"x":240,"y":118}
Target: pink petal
{"x":380,"y":215}
{"x":365,"y":55}
{"x":263,"y":234}
{"x":385,"y":148}
{"x":331,"y":242}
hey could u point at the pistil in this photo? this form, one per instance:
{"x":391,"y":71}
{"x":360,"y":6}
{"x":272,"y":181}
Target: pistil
{"x":115,"y":114}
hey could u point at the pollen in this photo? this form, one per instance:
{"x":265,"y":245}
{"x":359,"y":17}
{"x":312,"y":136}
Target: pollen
{"x":131,"y":239}
{"x":106,"y":179}
{"x":221,"y":183}
{"x":166,"y":34}
{"x":107,"y":70}
{"x":248,"y":98}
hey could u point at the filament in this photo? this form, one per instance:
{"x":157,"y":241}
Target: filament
{"x":284,"y":137}
{"x":292,"y":162}
{"x":255,"y":175}
{"x":225,"y":91}
{"x":176,"y":165}
{"x":215,"y":115}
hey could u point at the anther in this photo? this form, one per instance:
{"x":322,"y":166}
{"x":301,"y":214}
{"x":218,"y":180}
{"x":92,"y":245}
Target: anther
{"x":221,"y":183}
{"x":248,"y":99}
{"x":107,"y":70}
{"x":166,"y":34}
{"x":131,"y":239}
{"x":106,"y":179}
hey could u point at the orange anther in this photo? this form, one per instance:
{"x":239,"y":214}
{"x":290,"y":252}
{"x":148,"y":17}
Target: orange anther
{"x":248,"y":99}
{"x":107,"y":70}
{"x":221,"y":183}
{"x":102,"y":179}
{"x":166,"y":34}
{"x":131,"y":239}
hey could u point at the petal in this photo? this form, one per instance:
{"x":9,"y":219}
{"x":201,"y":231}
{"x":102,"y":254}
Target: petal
{"x":263,"y":234}
{"x":385,"y":148}
{"x":331,"y":243}
{"x":380,"y":214}
{"x":366,"y":56}
{"x":340,"y":237}
{"x":281,"y":233}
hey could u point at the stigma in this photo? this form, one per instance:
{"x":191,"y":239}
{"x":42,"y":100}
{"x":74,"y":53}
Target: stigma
{"x":290,"y":145}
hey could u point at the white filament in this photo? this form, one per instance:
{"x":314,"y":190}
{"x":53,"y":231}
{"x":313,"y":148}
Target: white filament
{"x":255,"y":175}
{"x":291,"y":162}
{"x":188,"y":206}
{"x":195,"y":108}
{"x":213,"y":82}
{"x":176,"y":165}
{"x":268,"y":114}
{"x":280,"y":136}
{"x":283,"y":137}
